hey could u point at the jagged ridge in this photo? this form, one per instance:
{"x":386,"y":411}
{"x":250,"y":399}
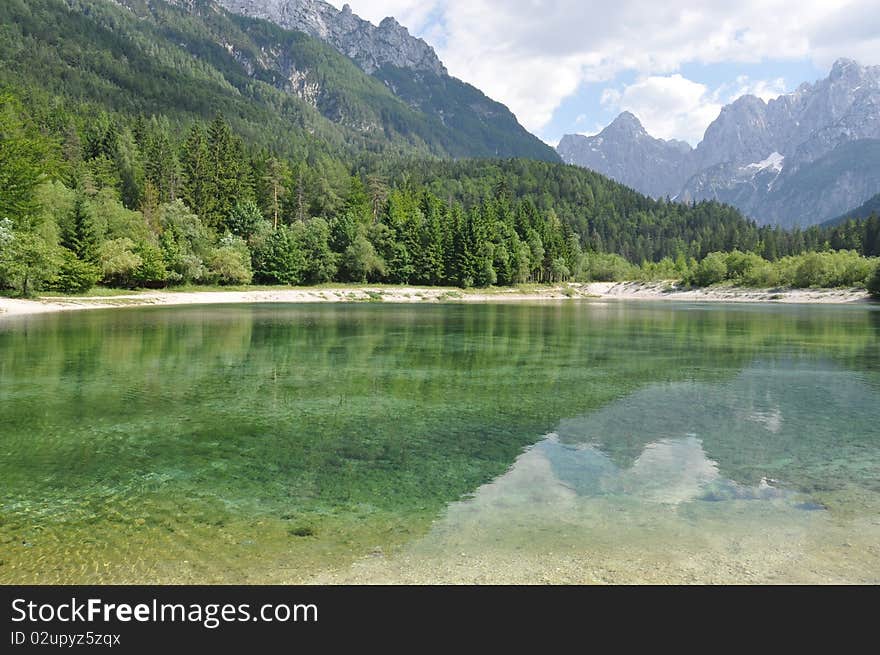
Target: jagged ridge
{"x":759,"y":155}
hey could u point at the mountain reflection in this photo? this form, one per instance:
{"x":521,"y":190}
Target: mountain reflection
{"x":669,"y":471}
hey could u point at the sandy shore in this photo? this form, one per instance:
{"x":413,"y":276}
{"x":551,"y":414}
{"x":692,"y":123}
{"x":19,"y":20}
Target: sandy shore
{"x":668,"y":291}
{"x":403,"y":294}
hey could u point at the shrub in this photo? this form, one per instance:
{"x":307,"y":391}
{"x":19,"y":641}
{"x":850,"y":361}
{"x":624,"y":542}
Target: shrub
{"x":711,"y":270}
{"x":244,"y":219}
{"x":361,"y":261}
{"x":28,"y":262}
{"x":230,"y":263}
{"x":75,"y":275}
{"x":873,"y":284}
{"x":665,"y":269}
{"x":740,"y":265}
{"x":764,"y":275}
{"x":603,"y":267}
{"x":319,"y":262}
{"x":278,"y":259}
{"x":118,"y":262}
{"x":151,"y":272}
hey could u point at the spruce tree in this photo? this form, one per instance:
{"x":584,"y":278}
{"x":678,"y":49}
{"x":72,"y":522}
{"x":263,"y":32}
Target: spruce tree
{"x":196,"y":186}
{"x":80,"y":235}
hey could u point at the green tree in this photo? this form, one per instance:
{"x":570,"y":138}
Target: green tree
{"x":196,"y":172}
{"x":873,"y":284}
{"x":118,"y":262}
{"x":319,"y":261}
{"x":244,"y":219}
{"x":27,"y":263}
{"x":711,"y":270}
{"x":79,"y":235}
{"x":361,"y":261}
{"x":230,"y":263}
{"x":22,"y":164}
{"x":74,"y":275}
{"x":279,"y":259}
{"x":227,"y":184}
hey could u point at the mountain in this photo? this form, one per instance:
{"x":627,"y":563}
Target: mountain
{"x":625,"y":152}
{"x":411,"y":70}
{"x":797,"y":160}
{"x":193,"y":58}
{"x":867,"y":209}
{"x":369,"y":46}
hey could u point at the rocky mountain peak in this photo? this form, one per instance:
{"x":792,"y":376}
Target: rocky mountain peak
{"x":370,"y":46}
{"x":626,"y":152}
{"x":626,"y":123}
{"x":844,"y":68}
{"x":797,"y":159}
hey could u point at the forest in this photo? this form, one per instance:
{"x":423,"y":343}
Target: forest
{"x":148,"y":201}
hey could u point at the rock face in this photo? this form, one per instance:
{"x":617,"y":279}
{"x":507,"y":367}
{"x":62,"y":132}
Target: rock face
{"x":370,"y":46}
{"x":462,"y":118}
{"x":625,"y":152}
{"x":800,"y":159}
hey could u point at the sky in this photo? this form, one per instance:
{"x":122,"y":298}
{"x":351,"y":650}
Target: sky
{"x":570,"y":66}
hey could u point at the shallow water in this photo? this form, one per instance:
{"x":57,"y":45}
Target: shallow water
{"x":561,"y":442}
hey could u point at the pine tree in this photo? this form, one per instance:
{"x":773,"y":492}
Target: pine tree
{"x":80,"y":235}
{"x":274,"y":177}
{"x":196,"y":188}
{"x":227,"y":180}
{"x":21,"y":164}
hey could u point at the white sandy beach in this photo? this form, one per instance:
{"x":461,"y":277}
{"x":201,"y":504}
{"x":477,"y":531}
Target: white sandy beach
{"x":404,"y":294}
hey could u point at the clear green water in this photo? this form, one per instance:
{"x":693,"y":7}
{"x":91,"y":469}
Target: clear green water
{"x":574,"y":442}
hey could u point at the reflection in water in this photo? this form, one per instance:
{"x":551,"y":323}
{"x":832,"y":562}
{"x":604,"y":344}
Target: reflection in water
{"x":281,"y":444}
{"x":569,"y":511}
{"x":669,"y":471}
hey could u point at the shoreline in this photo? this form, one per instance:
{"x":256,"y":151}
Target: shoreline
{"x":412,"y":294}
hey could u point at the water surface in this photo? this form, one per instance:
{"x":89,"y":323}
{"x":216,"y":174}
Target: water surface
{"x":579,"y":441}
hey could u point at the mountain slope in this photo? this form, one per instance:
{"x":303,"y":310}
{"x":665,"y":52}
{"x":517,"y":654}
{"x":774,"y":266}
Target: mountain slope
{"x":411,"y":70}
{"x":368,"y":45}
{"x":797,"y":160}
{"x":192,"y":58}
{"x":869,"y":208}
{"x":627,"y":153}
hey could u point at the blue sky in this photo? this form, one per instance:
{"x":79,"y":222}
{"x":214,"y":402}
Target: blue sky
{"x":585,"y":112}
{"x":568,"y":66}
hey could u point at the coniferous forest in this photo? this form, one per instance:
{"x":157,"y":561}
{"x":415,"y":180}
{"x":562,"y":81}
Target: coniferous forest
{"x":148,"y":202}
{"x":127,"y":164}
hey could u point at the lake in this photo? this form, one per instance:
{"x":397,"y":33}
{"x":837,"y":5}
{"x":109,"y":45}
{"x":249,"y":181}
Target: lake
{"x":575,"y":441}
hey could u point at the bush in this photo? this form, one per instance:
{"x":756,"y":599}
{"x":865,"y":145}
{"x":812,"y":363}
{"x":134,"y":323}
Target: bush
{"x":28,"y":262}
{"x":118,"y":262}
{"x":319,"y":262}
{"x":711,"y":270}
{"x":764,"y":275}
{"x":231,"y":262}
{"x":813,"y":271}
{"x":848,"y":269}
{"x":361,"y":261}
{"x":278,"y":259}
{"x":244,"y":219}
{"x":740,"y":265}
{"x":151,"y":273}
{"x":665,"y":269}
{"x":75,"y":275}
{"x":873,"y":284}
{"x":603,"y":267}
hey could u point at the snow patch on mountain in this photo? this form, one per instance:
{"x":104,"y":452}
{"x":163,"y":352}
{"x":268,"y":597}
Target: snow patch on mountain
{"x":773,"y":162}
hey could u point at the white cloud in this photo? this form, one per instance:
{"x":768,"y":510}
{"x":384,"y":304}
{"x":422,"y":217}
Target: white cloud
{"x":532,"y":54}
{"x":764,"y":89}
{"x":674,"y":107}
{"x":669,"y":107}
{"x":412,"y":14}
